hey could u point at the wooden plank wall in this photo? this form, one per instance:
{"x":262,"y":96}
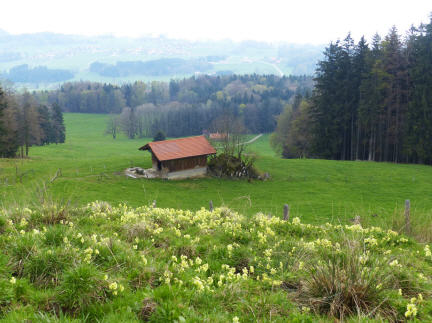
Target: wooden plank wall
{"x":185,"y":163}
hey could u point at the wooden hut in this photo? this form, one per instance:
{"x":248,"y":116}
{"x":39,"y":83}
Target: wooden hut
{"x":180,"y":158}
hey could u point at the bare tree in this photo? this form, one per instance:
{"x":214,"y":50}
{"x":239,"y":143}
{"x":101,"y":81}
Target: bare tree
{"x":113,"y":126}
{"x":231,"y":134}
{"x":128,"y":122}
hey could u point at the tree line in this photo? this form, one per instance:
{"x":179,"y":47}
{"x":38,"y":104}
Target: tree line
{"x":157,"y":67}
{"x":38,"y":74}
{"x":370,"y":102}
{"x":182,"y":107}
{"x":24,"y":123}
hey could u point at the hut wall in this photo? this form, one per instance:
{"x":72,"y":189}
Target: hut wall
{"x":185,"y":163}
{"x":154,"y":162}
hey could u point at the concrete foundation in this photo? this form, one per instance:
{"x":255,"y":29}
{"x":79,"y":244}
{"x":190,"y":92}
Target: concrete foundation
{"x":188,"y":173}
{"x":137,"y":172}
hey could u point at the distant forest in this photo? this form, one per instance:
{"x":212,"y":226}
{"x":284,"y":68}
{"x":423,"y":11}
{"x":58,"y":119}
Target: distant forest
{"x":39,"y":74}
{"x":183,"y":107}
{"x":158,"y":67}
{"x":370,"y":102}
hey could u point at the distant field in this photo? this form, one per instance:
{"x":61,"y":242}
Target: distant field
{"x":317,"y":190}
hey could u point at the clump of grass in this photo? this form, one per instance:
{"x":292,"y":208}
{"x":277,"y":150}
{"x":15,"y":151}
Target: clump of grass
{"x":22,"y":250}
{"x":46,"y":268}
{"x":340,"y":285}
{"x":81,"y":286}
{"x":53,"y":212}
{"x":6,"y":295}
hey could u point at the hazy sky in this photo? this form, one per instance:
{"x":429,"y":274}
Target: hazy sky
{"x":299,"y":21}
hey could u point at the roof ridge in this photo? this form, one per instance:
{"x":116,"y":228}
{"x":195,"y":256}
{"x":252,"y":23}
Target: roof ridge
{"x":180,"y":148}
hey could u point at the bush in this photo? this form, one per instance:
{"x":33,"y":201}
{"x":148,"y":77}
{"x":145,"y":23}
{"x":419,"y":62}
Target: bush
{"x":225,"y":165}
{"x":159,"y":136}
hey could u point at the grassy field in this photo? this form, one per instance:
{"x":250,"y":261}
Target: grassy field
{"x":64,"y":260}
{"x":317,"y":190}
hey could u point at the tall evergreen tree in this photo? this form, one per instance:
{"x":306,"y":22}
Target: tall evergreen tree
{"x":58,"y":126}
{"x":418,"y":144}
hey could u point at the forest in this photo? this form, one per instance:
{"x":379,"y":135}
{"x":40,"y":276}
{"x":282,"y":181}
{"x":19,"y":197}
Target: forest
{"x":182,"y":107}
{"x":157,"y":67}
{"x":24,"y":123}
{"x":38,"y":74}
{"x":370,"y":102}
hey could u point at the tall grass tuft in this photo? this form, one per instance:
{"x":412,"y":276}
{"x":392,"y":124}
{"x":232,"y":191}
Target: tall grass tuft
{"x":81,"y":286}
{"x":341,"y":286}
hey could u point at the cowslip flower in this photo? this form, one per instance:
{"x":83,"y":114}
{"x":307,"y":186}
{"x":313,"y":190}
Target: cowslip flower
{"x":411,"y":310}
{"x":428,"y":252}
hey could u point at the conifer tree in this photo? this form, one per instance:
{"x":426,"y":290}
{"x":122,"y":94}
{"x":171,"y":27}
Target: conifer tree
{"x":58,"y":124}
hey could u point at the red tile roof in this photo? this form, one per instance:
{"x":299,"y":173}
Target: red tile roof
{"x":180,"y":148}
{"x":217,"y":135}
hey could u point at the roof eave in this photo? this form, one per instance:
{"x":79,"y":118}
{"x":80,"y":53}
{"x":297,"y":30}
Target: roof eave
{"x":186,"y":157}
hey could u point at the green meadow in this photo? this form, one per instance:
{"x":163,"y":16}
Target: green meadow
{"x":65,"y":257}
{"x":317,"y":191}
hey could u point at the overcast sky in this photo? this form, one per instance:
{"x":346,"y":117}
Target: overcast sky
{"x":300,"y":21}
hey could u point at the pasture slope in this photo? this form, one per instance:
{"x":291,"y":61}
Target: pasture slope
{"x":66,"y":257}
{"x":317,"y":190}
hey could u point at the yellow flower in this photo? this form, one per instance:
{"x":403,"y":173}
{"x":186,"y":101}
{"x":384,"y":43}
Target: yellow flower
{"x":411,"y":310}
{"x":235,"y":319}
{"x":12,"y":280}
{"x":301,"y":265}
{"x":296,"y":221}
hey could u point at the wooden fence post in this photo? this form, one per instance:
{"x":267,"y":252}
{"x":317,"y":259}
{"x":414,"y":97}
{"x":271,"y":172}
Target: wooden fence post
{"x":211,"y":206}
{"x":286,"y":212}
{"x":407,"y":217}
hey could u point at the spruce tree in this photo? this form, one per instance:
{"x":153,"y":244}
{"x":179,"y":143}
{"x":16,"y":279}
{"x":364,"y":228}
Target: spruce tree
{"x":58,"y":124}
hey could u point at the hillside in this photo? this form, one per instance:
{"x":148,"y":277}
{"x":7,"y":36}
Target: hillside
{"x":65,"y":256}
{"x":164,"y":265}
{"x":317,"y":191}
